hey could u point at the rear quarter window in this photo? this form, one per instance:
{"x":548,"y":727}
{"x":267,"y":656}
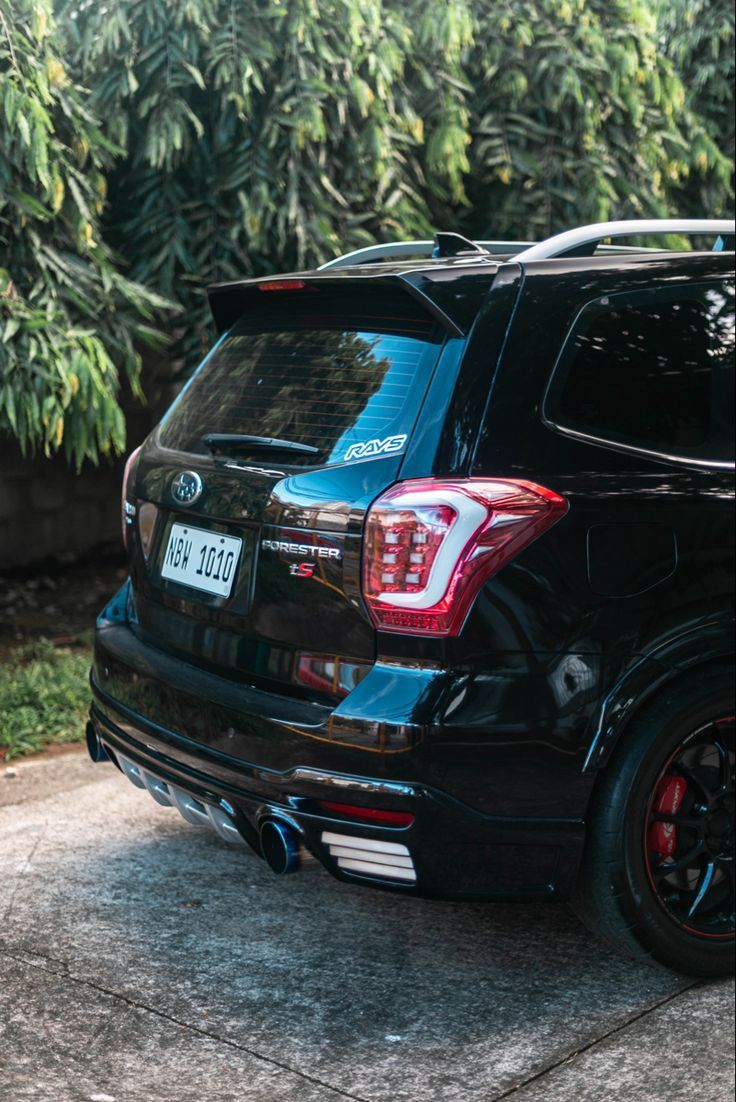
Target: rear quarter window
{"x":342,"y":372}
{"x":651,"y":371}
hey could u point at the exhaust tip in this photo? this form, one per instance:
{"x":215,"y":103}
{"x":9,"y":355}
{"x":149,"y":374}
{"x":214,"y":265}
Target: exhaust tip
{"x":279,"y":846}
{"x":95,"y":749}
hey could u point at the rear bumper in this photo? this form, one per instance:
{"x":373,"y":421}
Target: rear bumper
{"x":255,"y":755}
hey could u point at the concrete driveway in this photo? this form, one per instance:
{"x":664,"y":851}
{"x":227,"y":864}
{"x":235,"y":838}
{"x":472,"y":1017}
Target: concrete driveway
{"x":142,"y":960}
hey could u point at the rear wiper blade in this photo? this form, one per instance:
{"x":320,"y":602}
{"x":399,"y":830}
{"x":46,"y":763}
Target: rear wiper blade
{"x":229,"y":442}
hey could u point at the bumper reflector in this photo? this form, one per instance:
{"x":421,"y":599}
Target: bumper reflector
{"x":371,"y":857}
{"x":368,"y":814}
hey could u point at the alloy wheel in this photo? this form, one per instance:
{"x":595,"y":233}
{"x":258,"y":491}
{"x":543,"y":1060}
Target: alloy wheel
{"x":689,"y":832}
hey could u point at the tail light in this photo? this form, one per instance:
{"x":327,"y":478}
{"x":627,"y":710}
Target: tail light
{"x":430,"y":545}
{"x":127,"y":507}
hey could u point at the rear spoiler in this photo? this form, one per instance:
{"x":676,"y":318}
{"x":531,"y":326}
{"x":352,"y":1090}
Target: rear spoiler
{"x":444,"y":299}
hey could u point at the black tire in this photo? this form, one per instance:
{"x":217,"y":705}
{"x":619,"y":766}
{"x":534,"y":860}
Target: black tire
{"x":621,"y":895}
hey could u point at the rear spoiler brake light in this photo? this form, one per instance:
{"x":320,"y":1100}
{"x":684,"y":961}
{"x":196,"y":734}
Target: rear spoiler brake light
{"x":284,"y":285}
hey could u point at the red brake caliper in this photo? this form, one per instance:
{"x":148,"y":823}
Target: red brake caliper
{"x":668,"y":798}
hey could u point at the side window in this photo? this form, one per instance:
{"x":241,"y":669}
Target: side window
{"x":653,"y":371}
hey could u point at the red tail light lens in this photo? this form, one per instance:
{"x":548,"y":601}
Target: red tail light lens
{"x":127,"y":508}
{"x":368,"y":814}
{"x":430,"y":545}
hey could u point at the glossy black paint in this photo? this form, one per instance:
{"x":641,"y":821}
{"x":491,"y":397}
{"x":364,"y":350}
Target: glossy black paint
{"x":163,"y":725}
{"x":500,"y":732}
{"x":452,"y":292}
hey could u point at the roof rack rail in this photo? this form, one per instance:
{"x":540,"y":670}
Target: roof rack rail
{"x":584,"y":240}
{"x":395,"y":250}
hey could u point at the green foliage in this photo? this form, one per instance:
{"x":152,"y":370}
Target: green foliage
{"x":699,"y":39}
{"x":69,"y":321}
{"x":268,"y":135}
{"x":44,"y":698}
{"x":271,"y":135}
{"x":576,"y":116}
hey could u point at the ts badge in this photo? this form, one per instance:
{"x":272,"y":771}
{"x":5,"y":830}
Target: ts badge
{"x":302,"y":569}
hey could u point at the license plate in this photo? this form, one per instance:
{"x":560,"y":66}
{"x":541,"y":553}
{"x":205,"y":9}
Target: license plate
{"x":202,"y":560}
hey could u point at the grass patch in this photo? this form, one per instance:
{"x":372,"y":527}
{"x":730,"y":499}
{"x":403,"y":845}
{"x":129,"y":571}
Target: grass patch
{"x":44,"y":697}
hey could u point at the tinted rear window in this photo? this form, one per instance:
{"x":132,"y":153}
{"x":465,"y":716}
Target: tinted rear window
{"x":653,"y":371}
{"x":330,"y":370}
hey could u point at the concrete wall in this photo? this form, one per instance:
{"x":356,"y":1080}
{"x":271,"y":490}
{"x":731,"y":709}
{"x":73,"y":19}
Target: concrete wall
{"x":48,"y":511}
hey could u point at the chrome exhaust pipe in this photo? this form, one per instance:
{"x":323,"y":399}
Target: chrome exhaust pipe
{"x":280,"y":846}
{"x":95,"y":749}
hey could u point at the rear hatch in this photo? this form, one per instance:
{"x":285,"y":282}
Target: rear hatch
{"x":246,"y":554}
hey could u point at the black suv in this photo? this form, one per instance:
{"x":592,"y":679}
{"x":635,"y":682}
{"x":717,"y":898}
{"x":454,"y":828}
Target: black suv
{"x":431,"y":577}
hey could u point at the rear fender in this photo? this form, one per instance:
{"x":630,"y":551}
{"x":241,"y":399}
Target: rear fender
{"x":710,"y":642}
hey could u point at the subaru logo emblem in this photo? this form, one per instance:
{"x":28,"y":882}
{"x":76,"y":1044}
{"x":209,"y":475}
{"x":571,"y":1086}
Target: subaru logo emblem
{"x":187,"y":487}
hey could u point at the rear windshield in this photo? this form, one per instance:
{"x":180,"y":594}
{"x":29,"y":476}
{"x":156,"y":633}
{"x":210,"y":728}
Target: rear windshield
{"x":340,"y":372}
